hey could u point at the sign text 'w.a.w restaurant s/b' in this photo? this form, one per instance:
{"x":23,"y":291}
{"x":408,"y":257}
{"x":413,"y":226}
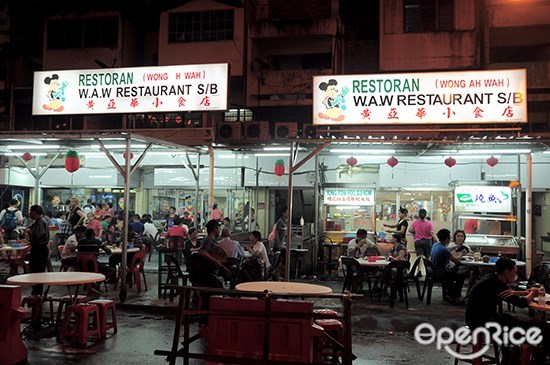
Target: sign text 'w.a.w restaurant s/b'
{"x":498,"y":96}
{"x":131,"y":90}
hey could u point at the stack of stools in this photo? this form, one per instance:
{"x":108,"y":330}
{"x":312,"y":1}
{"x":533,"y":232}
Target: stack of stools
{"x":106,"y":306}
{"x":65,"y":302}
{"x":77,"y":322}
{"x":332,"y":327}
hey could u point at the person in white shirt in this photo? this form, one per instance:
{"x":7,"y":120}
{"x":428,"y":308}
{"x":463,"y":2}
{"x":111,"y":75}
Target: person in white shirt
{"x":68,"y":255}
{"x":258,"y":249}
{"x":357,"y":247}
{"x":231,"y":247}
{"x":150,"y":228}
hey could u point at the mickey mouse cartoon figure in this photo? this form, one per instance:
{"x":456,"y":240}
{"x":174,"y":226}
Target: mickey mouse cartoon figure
{"x":55,"y":93}
{"x":334,"y":101}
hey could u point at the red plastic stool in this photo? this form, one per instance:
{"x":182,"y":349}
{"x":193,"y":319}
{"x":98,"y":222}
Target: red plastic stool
{"x":325,"y":313}
{"x":484,"y":359}
{"x":104,"y":306}
{"x":35,"y":302}
{"x":81,"y":328}
{"x":65,"y":302}
{"x":335,"y":329}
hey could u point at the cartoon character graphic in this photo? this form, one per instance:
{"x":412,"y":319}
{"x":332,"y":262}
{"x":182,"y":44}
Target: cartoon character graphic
{"x":55,"y":93}
{"x":334,"y":101}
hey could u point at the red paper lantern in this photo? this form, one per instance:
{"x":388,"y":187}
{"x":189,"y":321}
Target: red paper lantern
{"x":392,"y":161}
{"x":72,"y":161}
{"x":352,"y":161}
{"x":131,"y":155}
{"x":492,"y":161}
{"x":279,"y":168}
{"x":26,"y":157}
{"x":450,"y":162}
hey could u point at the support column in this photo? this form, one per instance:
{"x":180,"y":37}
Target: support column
{"x":211,"y":180}
{"x":529,"y":215}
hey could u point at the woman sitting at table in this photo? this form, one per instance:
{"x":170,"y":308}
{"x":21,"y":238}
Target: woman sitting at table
{"x":399,"y":250}
{"x":458,"y":247}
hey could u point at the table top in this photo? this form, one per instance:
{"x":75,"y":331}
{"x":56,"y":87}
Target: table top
{"x":9,"y":248}
{"x":118,"y":250}
{"x":56,"y":278}
{"x":541,"y":307}
{"x":488,"y":264}
{"x":283,"y":287}
{"x":379,"y":263}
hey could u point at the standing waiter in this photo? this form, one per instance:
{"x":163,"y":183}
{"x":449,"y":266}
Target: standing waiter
{"x":38,"y":235}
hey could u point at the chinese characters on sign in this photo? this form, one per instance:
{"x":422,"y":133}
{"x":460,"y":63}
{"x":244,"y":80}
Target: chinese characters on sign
{"x":483,"y":199}
{"x":349,"y":197}
{"x":131,"y":90}
{"x":421,"y":98}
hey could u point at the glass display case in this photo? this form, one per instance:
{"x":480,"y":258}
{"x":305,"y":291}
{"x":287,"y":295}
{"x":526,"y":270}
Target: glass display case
{"x":493,"y":244}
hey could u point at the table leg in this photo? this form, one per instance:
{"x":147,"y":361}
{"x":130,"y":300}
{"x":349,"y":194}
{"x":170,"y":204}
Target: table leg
{"x":159,"y":273}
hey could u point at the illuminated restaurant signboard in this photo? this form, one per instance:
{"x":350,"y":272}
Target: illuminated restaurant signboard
{"x":498,"y":96}
{"x":349,"y":197}
{"x":483,"y":199}
{"x":131,"y":90}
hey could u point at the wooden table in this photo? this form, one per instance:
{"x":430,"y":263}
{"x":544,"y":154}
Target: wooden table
{"x":281,"y":287}
{"x":541,"y":307}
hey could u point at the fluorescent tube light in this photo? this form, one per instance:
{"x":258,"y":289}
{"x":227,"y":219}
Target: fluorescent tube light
{"x":341,"y":207}
{"x":33,"y":147}
{"x":359,"y":151}
{"x":492,"y":152}
{"x":260,"y":154}
{"x":15,"y":154}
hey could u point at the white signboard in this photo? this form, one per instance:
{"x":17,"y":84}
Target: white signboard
{"x":131,"y":90}
{"x":498,"y":96}
{"x":348,"y":197}
{"x":483,"y":199}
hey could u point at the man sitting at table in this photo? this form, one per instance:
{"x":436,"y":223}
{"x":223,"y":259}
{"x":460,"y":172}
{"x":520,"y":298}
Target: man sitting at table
{"x":177,"y":230}
{"x":137,"y":226}
{"x":446,"y":268}
{"x":357,"y":247}
{"x":68,"y":255}
{"x":231,"y":247}
{"x":491,"y":290}
{"x":91,"y":244}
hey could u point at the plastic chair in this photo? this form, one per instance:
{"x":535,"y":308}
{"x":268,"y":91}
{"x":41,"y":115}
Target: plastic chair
{"x":395,"y":274}
{"x":17,"y":260}
{"x":354,"y":275}
{"x":480,"y":360}
{"x":174,"y":275}
{"x":273,"y":273}
{"x":87,"y":262}
{"x":429,"y":280}
{"x":412,"y":276}
{"x":235,"y":265}
{"x":135,"y":269}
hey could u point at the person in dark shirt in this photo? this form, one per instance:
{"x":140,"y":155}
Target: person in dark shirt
{"x":491,"y":290}
{"x":38,"y":236}
{"x":210,"y":258}
{"x":91,"y":244}
{"x":136,"y":224}
{"x":446,"y":268}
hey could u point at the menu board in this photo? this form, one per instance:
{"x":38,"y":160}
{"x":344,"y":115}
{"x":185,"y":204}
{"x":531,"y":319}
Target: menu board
{"x":483,"y":199}
{"x":357,"y":197}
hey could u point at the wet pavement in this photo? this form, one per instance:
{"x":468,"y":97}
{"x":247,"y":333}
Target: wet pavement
{"x":381,"y":335}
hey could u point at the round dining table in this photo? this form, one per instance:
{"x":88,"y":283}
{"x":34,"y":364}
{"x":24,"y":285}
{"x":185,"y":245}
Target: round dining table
{"x":283,"y":287}
{"x":488,"y":264}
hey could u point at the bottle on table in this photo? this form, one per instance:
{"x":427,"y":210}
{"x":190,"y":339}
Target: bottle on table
{"x":499,"y":254}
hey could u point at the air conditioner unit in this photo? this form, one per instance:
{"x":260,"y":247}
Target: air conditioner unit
{"x":229,"y":132}
{"x":286,"y":130}
{"x":309,"y":132}
{"x":257,"y":131}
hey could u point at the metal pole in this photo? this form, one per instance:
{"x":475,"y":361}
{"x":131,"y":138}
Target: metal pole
{"x":528,"y":215}
{"x":211,"y":180}
{"x":316,"y":227}
{"x":124,"y":259}
{"x":36,"y":180}
{"x":517,"y":231}
{"x":197,"y":178}
{"x":289,"y":212}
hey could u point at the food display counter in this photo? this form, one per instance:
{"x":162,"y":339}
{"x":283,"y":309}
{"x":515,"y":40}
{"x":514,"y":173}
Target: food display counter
{"x":493,"y":244}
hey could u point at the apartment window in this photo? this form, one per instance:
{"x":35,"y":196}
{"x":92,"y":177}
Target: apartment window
{"x":238,"y":115}
{"x":200,"y":26}
{"x":83,"y":33}
{"x":423,"y":16}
